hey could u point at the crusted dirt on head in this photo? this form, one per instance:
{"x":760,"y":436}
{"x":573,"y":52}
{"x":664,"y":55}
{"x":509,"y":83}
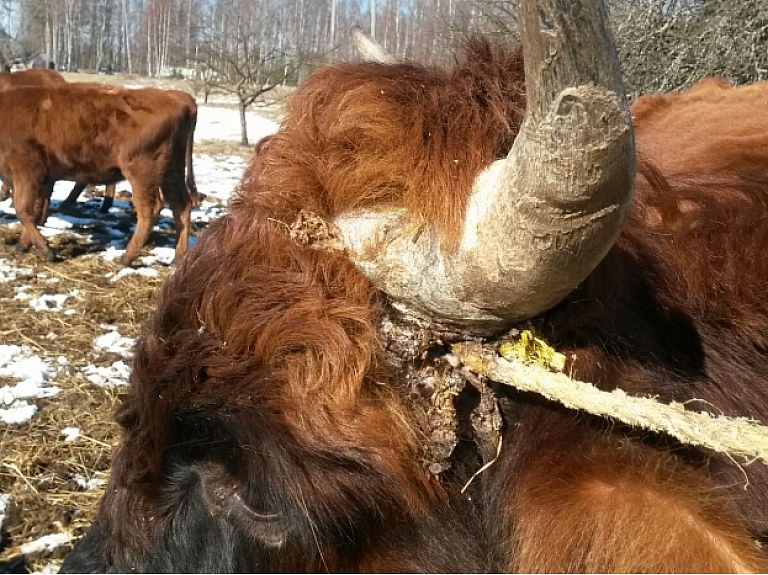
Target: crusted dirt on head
{"x":461,"y":413}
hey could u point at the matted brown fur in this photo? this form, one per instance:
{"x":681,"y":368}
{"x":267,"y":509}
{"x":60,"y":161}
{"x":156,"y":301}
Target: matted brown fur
{"x":396,"y":135}
{"x":264,"y":414}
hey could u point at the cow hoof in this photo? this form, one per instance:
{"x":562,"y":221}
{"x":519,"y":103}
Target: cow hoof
{"x":50,"y":255}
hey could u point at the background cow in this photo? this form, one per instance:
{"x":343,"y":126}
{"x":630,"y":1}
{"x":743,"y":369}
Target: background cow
{"x":187,"y":102}
{"x":47,"y":77}
{"x":51,"y":78}
{"x":269,"y":424}
{"x":88,"y":133}
{"x":30,"y":77}
{"x":712,"y":129}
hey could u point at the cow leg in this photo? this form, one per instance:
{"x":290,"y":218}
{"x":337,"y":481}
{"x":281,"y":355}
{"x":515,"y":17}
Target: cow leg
{"x":180,"y":202}
{"x":68,"y":205}
{"x":43,"y":204}
{"x":31,"y":206}
{"x":109,"y":198}
{"x":583,"y":501}
{"x":147,"y":204}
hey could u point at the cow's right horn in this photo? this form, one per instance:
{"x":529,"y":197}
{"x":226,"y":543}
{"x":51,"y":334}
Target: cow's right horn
{"x":539,"y":221}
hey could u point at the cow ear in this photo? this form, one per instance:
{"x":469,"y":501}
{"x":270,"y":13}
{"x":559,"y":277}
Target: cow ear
{"x":222,"y":495}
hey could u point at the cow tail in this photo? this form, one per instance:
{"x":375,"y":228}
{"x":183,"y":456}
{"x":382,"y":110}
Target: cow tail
{"x":191,"y":184}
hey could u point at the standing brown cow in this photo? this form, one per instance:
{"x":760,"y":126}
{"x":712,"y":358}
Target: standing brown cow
{"x":190,"y":106}
{"x":91,"y":134}
{"x":46,"y":77}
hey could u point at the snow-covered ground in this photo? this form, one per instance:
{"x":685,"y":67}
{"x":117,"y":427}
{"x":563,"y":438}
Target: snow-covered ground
{"x":35,"y":376}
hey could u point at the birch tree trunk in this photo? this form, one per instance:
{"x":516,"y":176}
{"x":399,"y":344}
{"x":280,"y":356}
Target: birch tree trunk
{"x":127,"y":35}
{"x":373,"y":19}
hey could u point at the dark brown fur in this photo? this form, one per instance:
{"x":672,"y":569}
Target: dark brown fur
{"x":97,"y":135}
{"x":261,"y":402}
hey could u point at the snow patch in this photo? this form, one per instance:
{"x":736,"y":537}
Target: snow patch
{"x":17,"y":362}
{"x":70,"y":434}
{"x":46,"y":543}
{"x":115,"y":375}
{"x":87,"y":484}
{"x":113,"y":342}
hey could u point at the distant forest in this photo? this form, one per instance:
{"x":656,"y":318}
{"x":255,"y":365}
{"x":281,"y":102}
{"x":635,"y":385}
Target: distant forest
{"x":663,"y":44}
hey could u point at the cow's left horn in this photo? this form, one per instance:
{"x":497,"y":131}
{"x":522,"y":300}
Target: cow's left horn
{"x":369,"y":48}
{"x":539,"y":221}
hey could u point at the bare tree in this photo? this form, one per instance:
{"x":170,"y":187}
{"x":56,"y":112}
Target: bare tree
{"x":242,"y":58}
{"x":663,"y":44}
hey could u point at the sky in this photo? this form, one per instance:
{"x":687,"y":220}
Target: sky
{"x":35,"y":376}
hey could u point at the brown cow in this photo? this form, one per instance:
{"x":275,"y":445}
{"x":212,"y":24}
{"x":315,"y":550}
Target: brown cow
{"x":91,"y":134}
{"x":271,"y":423}
{"x":189,"y":104}
{"x":46,"y":77}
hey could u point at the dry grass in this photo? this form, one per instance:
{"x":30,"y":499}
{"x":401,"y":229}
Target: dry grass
{"x":37,"y":467}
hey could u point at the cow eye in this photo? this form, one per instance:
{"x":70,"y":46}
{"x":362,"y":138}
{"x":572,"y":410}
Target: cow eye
{"x":223,"y":497}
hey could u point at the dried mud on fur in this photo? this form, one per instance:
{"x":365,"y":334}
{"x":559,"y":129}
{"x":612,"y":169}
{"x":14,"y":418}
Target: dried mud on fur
{"x":55,"y":485}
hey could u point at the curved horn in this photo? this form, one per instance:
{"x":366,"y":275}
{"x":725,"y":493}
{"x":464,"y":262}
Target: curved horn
{"x":369,"y":48}
{"x":539,"y":221}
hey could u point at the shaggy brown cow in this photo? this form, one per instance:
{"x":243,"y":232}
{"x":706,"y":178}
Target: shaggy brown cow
{"x":92,"y":134}
{"x":269,"y":426}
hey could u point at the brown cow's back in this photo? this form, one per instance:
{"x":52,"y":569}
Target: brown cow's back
{"x":30,"y":77}
{"x":712,"y":130}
